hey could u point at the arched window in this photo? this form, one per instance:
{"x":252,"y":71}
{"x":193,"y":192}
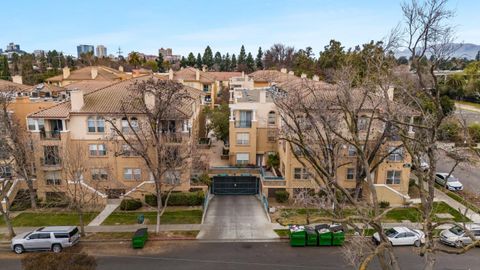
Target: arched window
{"x":272,"y":118}
{"x":125,"y":126}
{"x":100,"y":124}
{"x":91,"y":124}
{"x":134,"y":123}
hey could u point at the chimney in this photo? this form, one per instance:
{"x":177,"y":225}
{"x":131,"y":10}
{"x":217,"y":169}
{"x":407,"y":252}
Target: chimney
{"x":170,"y":74}
{"x":390,"y":93}
{"x":120,"y":68}
{"x":283,"y":70}
{"x":94,"y":72}
{"x":263,"y":96}
{"x":243,"y":74}
{"x":66,"y":72}
{"x":316,"y":78}
{"x":197,"y":75}
{"x":149,"y":100}
{"x":76,"y":99}
{"x":291,"y":73}
{"x":204,"y":68}
{"x":17,"y":79}
{"x":303,"y":76}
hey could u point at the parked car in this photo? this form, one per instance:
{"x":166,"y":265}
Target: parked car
{"x":457,"y":237}
{"x":402,"y":236}
{"x":452,"y":182}
{"x":53,"y":238}
{"x":424,"y":166}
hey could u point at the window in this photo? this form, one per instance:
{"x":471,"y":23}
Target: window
{"x":396,"y":154}
{"x":243,"y":138}
{"x":272,"y":135}
{"x":99,"y":174}
{"x":300,"y":173}
{"x":352,"y":151}
{"x":41,"y":124}
{"x":172,"y":177}
{"x":44,"y":236}
{"x":132,"y":174}
{"x":34,"y":236}
{"x":61,"y":235}
{"x":206,"y":88}
{"x":393,"y":177}
{"x":91,"y":124}
{"x":242,"y":158}
{"x":127,"y":151}
{"x":97,"y":149}
{"x":125,"y":126}
{"x":272,"y":118}
{"x":350,"y":173}
{"x":31,"y":124}
{"x":245,"y":120}
{"x":96,"y":124}
{"x":5,"y":171}
{"x":127,"y":123}
{"x":362,"y":123}
{"x":100,"y":124}
{"x":52,"y":178}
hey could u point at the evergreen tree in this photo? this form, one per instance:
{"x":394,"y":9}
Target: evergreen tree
{"x":259,"y":59}
{"x":208,"y":57}
{"x":478,"y":56}
{"x":227,"y":64}
{"x":183,"y":62}
{"x":233,"y":64}
{"x":249,"y":63}
{"x":242,"y":57}
{"x":160,"y":64}
{"x":191,"y":60}
{"x":4,"y":70}
{"x":218,"y":61}
{"x":198,"y":63}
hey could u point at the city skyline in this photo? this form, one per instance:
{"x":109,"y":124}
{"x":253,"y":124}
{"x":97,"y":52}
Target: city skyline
{"x":180,"y":25}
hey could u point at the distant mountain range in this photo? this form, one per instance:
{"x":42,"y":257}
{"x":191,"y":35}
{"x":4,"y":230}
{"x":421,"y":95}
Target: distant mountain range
{"x":465,"y":50}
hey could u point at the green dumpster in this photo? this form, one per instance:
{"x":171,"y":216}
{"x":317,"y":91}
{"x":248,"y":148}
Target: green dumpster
{"x":338,"y":235}
{"x":139,"y":238}
{"x":312,"y":236}
{"x":297,"y":236}
{"x":324,"y":237}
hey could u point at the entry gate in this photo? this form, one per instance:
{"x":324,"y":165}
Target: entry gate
{"x":235,"y":185}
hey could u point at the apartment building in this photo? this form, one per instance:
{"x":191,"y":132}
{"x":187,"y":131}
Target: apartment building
{"x":91,"y":73}
{"x":111,"y":169}
{"x":254,"y":129}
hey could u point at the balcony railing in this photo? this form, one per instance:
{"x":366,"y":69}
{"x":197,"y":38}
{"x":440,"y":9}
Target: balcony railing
{"x":50,"y":135}
{"x":50,"y":161}
{"x":243,"y":124}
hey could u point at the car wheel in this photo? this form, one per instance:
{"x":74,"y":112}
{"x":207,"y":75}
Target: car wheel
{"x":417,"y":243}
{"x":57,"y":248}
{"x":459,"y":244}
{"x":18,"y":249}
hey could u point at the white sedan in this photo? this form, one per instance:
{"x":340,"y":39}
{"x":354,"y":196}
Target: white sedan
{"x":452,"y":183}
{"x":402,"y":236}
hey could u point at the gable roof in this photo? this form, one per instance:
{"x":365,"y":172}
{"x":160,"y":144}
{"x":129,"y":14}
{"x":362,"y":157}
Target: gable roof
{"x":85,"y":73}
{"x":110,"y":99}
{"x":223,"y":75}
{"x":8,"y":85}
{"x":190,"y":74}
{"x":271,"y":76}
{"x":88,"y":86}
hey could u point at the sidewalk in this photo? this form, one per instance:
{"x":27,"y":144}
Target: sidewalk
{"x":472,"y":215}
{"x":120,"y":228}
{"x":109,"y":208}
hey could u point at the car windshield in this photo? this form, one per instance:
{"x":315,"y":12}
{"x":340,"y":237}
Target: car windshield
{"x":390,"y":232}
{"x":456,"y":230}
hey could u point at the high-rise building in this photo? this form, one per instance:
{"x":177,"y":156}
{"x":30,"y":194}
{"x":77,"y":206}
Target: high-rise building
{"x":168,"y":55}
{"x":39,"y":53}
{"x":101,"y":51}
{"x":81,"y":49}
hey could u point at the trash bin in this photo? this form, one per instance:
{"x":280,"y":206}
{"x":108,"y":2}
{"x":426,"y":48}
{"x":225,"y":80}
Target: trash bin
{"x":139,"y":238}
{"x":324,"y":237}
{"x":312,"y":236}
{"x":297,"y":236}
{"x":140,"y":218}
{"x":338,"y":235}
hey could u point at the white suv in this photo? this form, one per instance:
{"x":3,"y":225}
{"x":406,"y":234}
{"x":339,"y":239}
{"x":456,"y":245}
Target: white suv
{"x":53,"y":238}
{"x":457,"y":237}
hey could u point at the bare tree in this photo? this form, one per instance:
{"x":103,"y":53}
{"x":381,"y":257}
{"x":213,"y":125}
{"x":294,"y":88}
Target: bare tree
{"x":5,"y":185}
{"x":19,"y":142}
{"x":152,"y":118}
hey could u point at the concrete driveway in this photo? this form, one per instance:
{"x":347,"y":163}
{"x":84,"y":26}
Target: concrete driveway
{"x":236,"y":217}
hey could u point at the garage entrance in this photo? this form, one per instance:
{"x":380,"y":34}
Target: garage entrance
{"x":235,"y":185}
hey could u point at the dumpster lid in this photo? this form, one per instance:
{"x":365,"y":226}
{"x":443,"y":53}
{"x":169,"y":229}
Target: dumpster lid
{"x":140,"y":232}
{"x":336,"y":228}
{"x":322,"y":226}
{"x":310,"y":230}
{"x":296,"y":228}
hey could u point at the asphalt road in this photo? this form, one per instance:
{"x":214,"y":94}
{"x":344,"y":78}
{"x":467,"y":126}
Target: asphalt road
{"x":233,"y":256}
{"x":468,"y":174}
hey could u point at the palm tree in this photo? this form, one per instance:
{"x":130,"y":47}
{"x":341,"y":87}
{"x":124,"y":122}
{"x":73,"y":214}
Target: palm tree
{"x":134,"y":59}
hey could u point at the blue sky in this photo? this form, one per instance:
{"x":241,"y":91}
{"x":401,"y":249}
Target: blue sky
{"x":189,"y":25}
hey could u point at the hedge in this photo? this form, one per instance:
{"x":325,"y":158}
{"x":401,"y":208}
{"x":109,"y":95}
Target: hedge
{"x":130,"y":205}
{"x":281,"y":196}
{"x":178,"y":199}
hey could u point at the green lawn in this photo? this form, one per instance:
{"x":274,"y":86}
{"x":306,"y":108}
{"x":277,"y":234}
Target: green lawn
{"x":462,"y":200}
{"x":35,"y":219}
{"x":414,"y":215}
{"x":128,"y":235}
{"x":169,"y":217}
{"x":282,"y":232}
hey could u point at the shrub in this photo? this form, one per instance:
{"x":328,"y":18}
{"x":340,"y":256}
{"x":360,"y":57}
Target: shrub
{"x":474,"y":131}
{"x":449,"y":131}
{"x":273,"y":161}
{"x":178,"y":199}
{"x":384,"y":204}
{"x":130,"y":204}
{"x":281,"y":196}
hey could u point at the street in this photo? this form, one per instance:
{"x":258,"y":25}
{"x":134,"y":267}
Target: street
{"x":235,"y":255}
{"x":468,"y":174}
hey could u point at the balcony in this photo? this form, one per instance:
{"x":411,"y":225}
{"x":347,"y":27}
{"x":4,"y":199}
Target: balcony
{"x":50,"y":162}
{"x":243,"y":124}
{"x":50,"y":135}
{"x":173,"y":138}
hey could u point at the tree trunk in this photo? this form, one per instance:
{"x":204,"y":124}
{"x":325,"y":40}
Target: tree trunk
{"x":159,"y":211}
{"x":6,"y":217}
{"x":31,"y":190}
{"x":81,"y":221}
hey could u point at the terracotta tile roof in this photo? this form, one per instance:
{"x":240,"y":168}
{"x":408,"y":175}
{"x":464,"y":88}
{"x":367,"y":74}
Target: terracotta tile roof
{"x":271,"y":76}
{"x":109,"y":100}
{"x":103,"y":73}
{"x":47,"y":87}
{"x":88,"y":86}
{"x":222,"y":75}
{"x":189,"y":74}
{"x":7,"y":85}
